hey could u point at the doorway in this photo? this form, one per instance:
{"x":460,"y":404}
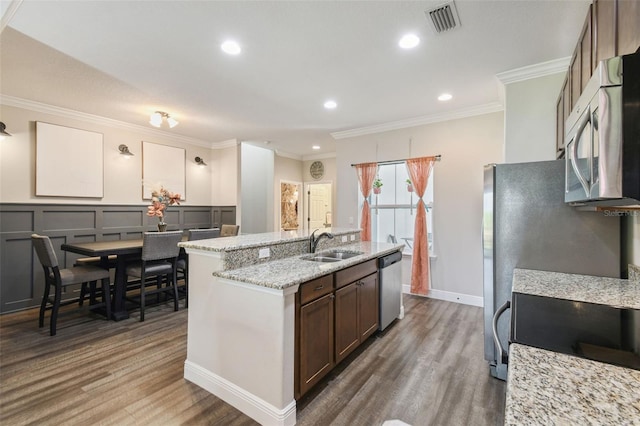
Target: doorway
{"x":319,"y":208}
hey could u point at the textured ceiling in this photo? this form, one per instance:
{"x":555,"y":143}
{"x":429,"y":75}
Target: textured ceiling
{"x":125,"y":59}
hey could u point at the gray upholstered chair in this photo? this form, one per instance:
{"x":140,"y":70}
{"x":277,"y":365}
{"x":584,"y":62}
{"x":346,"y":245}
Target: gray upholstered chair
{"x":183,"y":259}
{"x":61,"y":278}
{"x":229,"y":230}
{"x":159,"y":257}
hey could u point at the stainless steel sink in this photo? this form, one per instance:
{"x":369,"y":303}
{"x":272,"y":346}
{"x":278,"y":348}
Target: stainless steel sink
{"x":332,"y":256}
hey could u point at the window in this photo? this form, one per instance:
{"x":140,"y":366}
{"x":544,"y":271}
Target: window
{"x":393,"y":211}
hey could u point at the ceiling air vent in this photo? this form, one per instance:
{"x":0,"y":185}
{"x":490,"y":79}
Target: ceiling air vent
{"x":443,"y":18}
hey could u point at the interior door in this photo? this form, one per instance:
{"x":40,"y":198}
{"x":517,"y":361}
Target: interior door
{"x":319,"y":205}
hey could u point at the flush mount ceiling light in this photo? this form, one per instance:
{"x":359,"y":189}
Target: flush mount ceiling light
{"x":124,"y":150}
{"x":200,"y":162}
{"x":445,"y":97}
{"x":315,"y":147}
{"x":231,"y":47}
{"x":3,"y":132}
{"x":409,"y":41}
{"x":157,"y":118}
{"x":330,"y":104}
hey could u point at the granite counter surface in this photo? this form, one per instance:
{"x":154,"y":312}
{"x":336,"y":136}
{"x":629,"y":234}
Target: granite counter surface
{"x":581,"y":288}
{"x":226,"y":244}
{"x":550,"y":388}
{"x":280,"y":274}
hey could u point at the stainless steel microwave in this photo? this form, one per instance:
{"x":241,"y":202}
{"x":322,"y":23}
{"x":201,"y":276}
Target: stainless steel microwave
{"x":603,"y":138}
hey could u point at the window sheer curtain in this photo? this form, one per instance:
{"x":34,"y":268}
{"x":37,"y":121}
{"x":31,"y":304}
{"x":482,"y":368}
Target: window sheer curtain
{"x":419,"y":171}
{"x":366,"y":174}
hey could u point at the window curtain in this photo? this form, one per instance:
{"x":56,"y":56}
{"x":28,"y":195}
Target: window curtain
{"x":419,"y":171}
{"x":366,"y":175}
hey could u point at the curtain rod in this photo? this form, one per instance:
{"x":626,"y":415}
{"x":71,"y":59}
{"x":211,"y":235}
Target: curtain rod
{"x":438,"y":157}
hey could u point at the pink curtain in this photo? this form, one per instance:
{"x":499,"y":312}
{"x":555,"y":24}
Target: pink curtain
{"x":366,"y":175}
{"x":419,"y":171}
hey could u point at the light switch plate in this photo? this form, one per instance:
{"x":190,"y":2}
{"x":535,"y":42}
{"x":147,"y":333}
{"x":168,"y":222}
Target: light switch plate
{"x":265,"y":252}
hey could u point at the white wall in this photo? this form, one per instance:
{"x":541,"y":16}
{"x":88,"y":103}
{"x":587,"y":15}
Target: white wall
{"x":122,"y":177}
{"x":530,"y":119}
{"x":466,"y":145}
{"x":225,"y":175}
{"x":256,"y":189}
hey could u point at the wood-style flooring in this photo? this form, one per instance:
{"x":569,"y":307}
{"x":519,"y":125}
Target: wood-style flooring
{"x":427,"y":369}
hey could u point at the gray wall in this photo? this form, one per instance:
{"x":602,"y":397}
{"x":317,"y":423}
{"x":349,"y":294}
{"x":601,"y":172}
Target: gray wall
{"x":21,"y":280}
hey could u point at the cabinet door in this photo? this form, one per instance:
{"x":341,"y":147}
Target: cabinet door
{"x":574,"y":77}
{"x":347,"y":335}
{"x":604,"y":34}
{"x":368,"y":300}
{"x":585,"y":51}
{"x":628,"y":26}
{"x":316,"y":341}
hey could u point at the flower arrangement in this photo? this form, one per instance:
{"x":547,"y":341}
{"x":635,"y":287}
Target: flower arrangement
{"x":161,"y":199}
{"x":409,"y":185}
{"x":377,"y":185}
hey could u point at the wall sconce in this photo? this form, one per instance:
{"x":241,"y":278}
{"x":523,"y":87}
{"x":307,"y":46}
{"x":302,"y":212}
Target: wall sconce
{"x":3,"y":132}
{"x":124,"y":150}
{"x":200,"y":162}
{"x":157,"y":117}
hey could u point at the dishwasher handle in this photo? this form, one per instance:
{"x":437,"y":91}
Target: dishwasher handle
{"x":389,"y":260}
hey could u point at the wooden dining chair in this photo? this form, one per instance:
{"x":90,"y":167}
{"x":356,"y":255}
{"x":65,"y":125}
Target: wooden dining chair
{"x":61,"y":278}
{"x":158,"y":260}
{"x":183,"y":259}
{"x":229,"y":230}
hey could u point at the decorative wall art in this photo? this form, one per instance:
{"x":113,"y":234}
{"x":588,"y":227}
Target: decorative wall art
{"x":69,"y":162}
{"x":164,"y":166}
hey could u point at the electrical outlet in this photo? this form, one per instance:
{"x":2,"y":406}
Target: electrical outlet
{"x":344,"y":238}
{"x":265,"y":252}
{"x":353,"y":237}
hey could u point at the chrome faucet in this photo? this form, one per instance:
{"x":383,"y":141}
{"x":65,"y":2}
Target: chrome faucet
{"x":313,"y":241}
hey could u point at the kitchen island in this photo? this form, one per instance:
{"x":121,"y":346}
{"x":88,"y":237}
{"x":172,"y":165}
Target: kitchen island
{"x":241,"y":330}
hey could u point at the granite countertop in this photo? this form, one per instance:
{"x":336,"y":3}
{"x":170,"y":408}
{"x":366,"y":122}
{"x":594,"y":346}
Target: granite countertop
{"x":225,"y":244}
{"x":280,"y":274}
{"x":547,"y":388}
{"x":614,"y":292}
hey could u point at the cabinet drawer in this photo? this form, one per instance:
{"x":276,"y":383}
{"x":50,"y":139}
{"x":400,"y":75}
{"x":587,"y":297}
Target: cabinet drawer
{"x":317,"y":288}
{"x":356,"y":272}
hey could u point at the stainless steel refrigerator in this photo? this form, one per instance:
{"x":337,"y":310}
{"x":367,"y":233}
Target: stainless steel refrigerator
{"x":526,"y":224}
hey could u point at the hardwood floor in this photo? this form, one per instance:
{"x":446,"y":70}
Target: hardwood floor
{"x":427,"y":369}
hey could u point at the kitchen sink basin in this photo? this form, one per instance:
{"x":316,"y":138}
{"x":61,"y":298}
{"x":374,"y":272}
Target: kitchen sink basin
{"x":332,"y":256}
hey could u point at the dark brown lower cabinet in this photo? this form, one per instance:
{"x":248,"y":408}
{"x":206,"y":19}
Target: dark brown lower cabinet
{"x":316,"y":341}
{"x":334,"y":315}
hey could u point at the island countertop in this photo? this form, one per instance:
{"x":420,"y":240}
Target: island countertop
{"x":546,"y":387}
{"x":240,"y":242}
{"x":619,"y":293}
{"x":280,"y":274}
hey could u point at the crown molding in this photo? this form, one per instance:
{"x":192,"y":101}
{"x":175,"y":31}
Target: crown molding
{"x":226,"y":144}
{"x":534,"y":71}
{"x":16,"y":102}
{"x":319,"y":156}
{"x":286,"y":154}
{"x":419,"y":121}
{"x":7,"y":16}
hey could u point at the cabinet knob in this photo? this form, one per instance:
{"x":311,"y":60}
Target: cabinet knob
{"x":332,"y":296}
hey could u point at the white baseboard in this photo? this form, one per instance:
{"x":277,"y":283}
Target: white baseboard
{"x":449,"y":296}
{"x":251,"y":405}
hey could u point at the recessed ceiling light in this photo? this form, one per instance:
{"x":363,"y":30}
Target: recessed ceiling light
{"x":330,"y":104}
{"x":316,"y":147}
{"x":409,"y":41}
{"x":445,"y":97}
{"x":231,"y":47}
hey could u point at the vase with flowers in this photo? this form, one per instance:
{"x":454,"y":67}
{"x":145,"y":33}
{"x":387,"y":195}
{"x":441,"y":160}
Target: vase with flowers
{"x":409,"y":185}
{"x":161,"y":199}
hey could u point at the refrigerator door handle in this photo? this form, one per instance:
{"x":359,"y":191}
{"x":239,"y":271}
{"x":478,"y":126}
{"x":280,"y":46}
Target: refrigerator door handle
{"x":504,"y":356}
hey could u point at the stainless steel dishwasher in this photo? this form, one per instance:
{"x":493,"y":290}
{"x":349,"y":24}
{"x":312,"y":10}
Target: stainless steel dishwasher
{"x":390,"y":271}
